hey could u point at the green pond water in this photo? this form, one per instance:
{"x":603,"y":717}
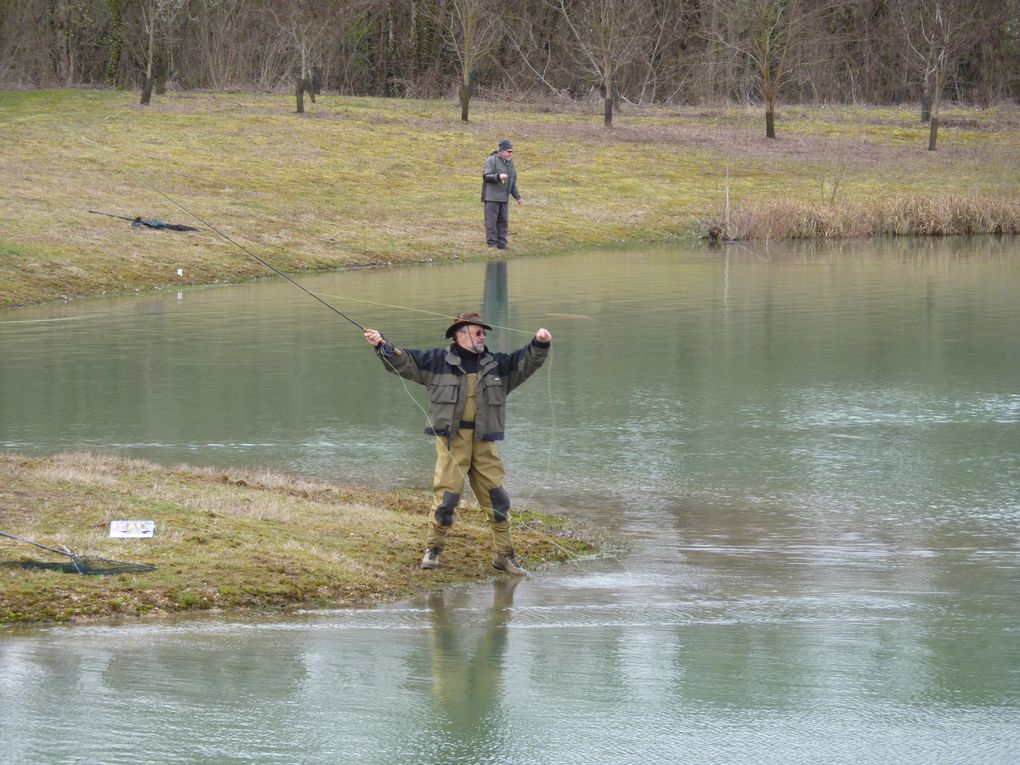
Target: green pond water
{"x":809,"y":460}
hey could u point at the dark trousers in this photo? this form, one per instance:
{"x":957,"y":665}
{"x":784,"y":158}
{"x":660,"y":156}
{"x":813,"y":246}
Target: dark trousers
{"x":497,"y":223}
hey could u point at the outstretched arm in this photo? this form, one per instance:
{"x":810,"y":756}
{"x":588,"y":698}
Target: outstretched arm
{"x":518,"y":366}
{"x":405,"y":364}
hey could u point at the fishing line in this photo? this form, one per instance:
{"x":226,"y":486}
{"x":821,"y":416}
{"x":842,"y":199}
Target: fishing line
{"x":251,"y":254}
{"x":232,"y":241}
{"x":49,"y":321}
{"x":552,"y":407}
{"x":340,"y":313}
{"x":415,"y":310}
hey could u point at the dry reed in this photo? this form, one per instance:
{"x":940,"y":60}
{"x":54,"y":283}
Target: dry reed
{"x":911,"y":216}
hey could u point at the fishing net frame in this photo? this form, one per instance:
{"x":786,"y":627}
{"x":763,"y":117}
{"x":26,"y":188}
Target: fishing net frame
{"x":88,"y":565}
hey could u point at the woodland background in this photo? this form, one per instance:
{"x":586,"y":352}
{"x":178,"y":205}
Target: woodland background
{"x":613,"y":52}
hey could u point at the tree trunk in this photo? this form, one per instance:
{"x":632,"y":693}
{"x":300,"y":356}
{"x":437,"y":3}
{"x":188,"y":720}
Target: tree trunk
{"x":147,"y":90}
{"x":299,"y":94}
{"x":608,"y":110}
{"x":926,"y":107}
{"x":116,"y":43}
{"x":933,"y":133}
{"x":304,"y":80}
{"x":59,"y":23}
{"x":465,"y":99}
{"x":770,"y":123}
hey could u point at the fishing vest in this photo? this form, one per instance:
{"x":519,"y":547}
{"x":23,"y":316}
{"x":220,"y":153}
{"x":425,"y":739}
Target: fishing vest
{"x":449,"y":385}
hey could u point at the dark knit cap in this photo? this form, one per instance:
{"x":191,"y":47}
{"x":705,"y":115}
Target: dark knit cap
{"x":505,"y":145}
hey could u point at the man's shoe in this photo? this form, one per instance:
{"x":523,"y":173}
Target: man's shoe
{"x":508,"y":564}
{"x":431,"y":559}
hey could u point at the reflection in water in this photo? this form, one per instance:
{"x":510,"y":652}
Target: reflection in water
{"x":496,"y":302}
{"x":812,"y":465}
{"x":467,"y":662}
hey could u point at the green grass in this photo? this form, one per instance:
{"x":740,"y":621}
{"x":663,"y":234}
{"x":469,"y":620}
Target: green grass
{"x":361,"y":181}
{"x":229,"y":540}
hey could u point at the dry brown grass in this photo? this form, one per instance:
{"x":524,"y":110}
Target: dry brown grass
{"x":940,"y":216}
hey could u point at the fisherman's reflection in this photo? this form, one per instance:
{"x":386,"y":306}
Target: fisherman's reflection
{"x":496,"y":302}
{"x":467,"y":665}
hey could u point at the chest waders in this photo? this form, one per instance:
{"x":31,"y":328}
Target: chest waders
{"x":462,"y":455}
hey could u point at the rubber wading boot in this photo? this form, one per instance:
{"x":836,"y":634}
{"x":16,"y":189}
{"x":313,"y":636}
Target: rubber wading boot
{"x":508,"y":564}
{"x":431,"y":559}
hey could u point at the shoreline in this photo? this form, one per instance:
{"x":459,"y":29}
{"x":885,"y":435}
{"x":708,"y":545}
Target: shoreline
{"x":231,"y":541}
{"x":370,"y":183}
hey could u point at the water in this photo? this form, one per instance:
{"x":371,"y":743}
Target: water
{"x":810,"y":462}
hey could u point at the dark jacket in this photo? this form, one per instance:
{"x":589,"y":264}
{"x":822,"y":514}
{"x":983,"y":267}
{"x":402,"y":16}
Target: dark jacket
{"x":493,"y":189}
{"x":441,"y":370}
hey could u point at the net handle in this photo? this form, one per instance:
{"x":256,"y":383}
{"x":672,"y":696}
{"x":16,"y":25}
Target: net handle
{"x":65,"y":551}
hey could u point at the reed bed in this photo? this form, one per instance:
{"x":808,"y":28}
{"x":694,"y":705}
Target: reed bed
{"x":910,"y":216}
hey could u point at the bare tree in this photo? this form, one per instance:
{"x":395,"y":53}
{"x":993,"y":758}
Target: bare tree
{"x":309,"y":24}
{"x":68,"y":20}
{"x":22,"y":52}
{"x":661,"y":56}
{"x":157,"y":14}
{"x":532,"y":32}
{"x":470,"y":28}
{"x":937,"y":32}
{"x":766,"y":33}
{"x":662,"y":51}
{"x":150,"y":21}
{"x":607,"y":35}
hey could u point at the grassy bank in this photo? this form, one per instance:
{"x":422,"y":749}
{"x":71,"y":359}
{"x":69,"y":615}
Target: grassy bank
{"x":358,"y":181}
{"x":227,"y":540}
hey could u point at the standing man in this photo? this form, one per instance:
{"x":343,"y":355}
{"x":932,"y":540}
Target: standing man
{"x":468,"y":386}
{"x":499,"y":183}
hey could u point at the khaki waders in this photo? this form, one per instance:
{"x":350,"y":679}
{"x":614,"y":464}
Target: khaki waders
{"x":480,"y":463}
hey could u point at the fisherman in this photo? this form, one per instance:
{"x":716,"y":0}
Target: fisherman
{"x":499,"y":183}
{"x":468,"y":386}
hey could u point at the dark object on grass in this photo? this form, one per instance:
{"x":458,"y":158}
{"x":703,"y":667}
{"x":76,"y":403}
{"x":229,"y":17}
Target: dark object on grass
{"x":152,"y":223}
{"x":87,"y":565}
{"x":139,"y":222}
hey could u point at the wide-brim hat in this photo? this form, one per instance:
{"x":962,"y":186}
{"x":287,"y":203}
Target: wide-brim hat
{"x":463,"y":320}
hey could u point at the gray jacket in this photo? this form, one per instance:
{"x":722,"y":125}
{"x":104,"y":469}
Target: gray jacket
{"x":493,"y":189}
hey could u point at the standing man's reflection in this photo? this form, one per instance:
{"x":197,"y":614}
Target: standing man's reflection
{"x":496,"y":298}
{"x":467,"y":667}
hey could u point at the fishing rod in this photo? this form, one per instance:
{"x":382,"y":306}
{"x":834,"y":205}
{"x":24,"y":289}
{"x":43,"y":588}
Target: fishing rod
{"x":255,"y":257}
{"x":110,"y":215}
{"x":252,"y":255}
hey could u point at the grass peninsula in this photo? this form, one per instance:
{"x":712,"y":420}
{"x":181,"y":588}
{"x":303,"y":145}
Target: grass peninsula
{"x":230,"y":541}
